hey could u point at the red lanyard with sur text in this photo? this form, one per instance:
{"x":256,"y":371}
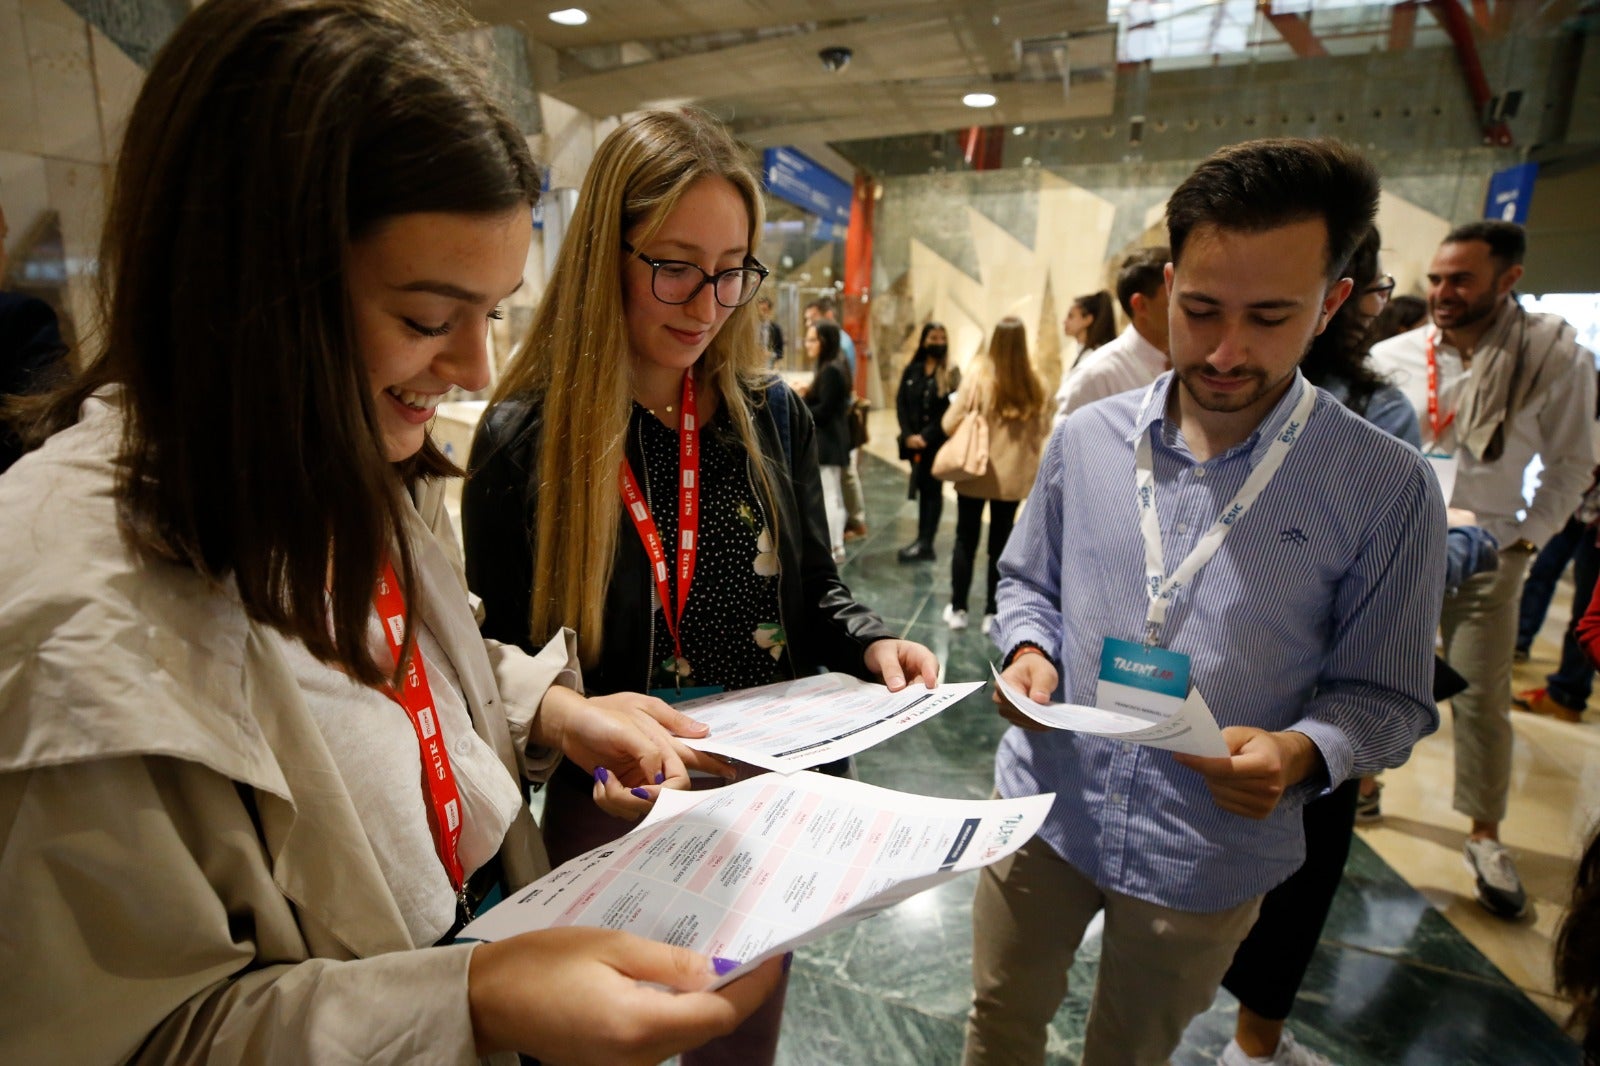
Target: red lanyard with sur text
{"x":1434,"y":423}
{"x":416,"y":697}
{"x":688,"y":517}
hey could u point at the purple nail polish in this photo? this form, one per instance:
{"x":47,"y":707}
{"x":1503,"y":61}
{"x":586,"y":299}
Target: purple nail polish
{"x":724,"y":967}
{"x":641,"y":793}
{"x":660,"y":778}
{"x":600,"y":774}
{"x":788,"y":960}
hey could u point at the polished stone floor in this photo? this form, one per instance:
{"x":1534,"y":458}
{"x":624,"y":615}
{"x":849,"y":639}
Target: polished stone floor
{"x":1395,"y":980}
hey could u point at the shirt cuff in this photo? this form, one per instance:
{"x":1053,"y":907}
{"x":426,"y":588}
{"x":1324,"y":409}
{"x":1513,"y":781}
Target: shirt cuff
{"x":1337,"y":757}
{"x":524,"y":679}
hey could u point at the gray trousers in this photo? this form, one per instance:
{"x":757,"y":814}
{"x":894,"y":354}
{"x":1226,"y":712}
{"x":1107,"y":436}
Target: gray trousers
{"x":1479,"y":627}
{"x":1159,"y":967}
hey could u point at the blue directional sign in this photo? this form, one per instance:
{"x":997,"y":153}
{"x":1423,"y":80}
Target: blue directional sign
{"x":1510,"y":191}
{"x":802,"y":181}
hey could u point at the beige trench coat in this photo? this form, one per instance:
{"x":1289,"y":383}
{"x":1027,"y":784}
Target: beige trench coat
{"x":1015,"y":444}
{"x":183,"y":876}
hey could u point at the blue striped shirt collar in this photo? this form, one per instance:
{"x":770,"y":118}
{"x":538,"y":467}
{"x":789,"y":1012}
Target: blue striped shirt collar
{"x":1257,"y":442}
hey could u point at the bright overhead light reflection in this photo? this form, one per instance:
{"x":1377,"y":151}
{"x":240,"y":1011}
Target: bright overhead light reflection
{"x":1019,"y":130}
{"x":570,"y":16}
{"x":979,"y":99}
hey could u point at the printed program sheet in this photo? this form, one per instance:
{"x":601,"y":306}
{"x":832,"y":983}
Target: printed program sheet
{"x":1191,"y":728}
{"x":792,"y":725}
{"x":754,"y":869}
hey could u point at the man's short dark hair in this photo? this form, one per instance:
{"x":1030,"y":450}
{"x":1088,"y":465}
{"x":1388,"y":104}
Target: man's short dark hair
{"x":1143,"y":272}
{"x":1261,"y":185}
{"x":824,"y":306}
{"x":1507,"y":241}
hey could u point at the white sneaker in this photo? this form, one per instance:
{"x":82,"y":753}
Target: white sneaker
{"x":1289,"y":1053}
{"x":953,"y":618}
{"x":988,"y":623}
{"x":1499,"y":888}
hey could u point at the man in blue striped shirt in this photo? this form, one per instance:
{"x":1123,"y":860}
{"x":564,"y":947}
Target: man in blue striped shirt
{"x":1308,"y":625}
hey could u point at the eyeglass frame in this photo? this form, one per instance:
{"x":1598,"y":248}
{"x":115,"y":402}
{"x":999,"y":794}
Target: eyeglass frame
{"x":1384,"y":287}
{"x":751,"y":263}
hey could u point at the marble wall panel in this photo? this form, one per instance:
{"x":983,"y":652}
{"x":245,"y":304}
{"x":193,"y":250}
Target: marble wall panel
{"x":66,"y":113}
{"x":966,"y":249}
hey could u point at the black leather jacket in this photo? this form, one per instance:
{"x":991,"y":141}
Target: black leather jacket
{"x":824,"y":624}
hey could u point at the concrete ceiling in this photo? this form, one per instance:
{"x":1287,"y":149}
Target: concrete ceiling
{"x":755,"y":63}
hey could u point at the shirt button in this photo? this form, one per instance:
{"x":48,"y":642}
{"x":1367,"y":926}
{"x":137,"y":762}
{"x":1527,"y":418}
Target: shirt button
{"x":1183,"y":527}
{"x":463,"y":745}
{"x":1199,"y":471}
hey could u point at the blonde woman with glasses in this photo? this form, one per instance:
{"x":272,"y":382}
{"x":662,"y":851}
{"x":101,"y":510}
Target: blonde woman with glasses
{"x":643,"y":478}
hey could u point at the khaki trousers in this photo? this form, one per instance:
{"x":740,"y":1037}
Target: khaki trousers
{"x":1158,"y":967}
{"x":1479,"y":627}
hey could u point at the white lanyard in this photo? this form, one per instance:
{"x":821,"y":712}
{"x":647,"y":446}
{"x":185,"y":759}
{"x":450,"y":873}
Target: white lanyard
{"x":1161,"y":588}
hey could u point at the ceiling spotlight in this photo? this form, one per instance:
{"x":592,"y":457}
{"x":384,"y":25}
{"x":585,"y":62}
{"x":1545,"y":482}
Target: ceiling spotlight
{"x":835,"y":58}
{"x":570,"y":16}
{"x":1019,"y":130}
{"x":979,"y":99}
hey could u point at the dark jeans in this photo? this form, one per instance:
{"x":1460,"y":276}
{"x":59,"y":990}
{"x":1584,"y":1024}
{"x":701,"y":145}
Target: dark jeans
{"x":1270,"y":964}
{"x":1573,"y":680}
{"x":929,"y":492}
{"x":1540,"y":585}
{"x":969,"y":522}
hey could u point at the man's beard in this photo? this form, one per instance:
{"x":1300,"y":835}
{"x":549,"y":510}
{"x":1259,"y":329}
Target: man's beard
{"x":1472,"y":313}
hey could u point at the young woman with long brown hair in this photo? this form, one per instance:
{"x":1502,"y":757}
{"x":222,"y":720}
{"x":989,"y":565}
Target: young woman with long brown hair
{"x":257,"y":763}
{"x":1004,"y":388}
{"x":643,"y":477}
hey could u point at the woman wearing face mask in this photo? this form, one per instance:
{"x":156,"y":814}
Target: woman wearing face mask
{"x":921,"y":401}
{"x":643,"y":478}
{"x":257,"y":759}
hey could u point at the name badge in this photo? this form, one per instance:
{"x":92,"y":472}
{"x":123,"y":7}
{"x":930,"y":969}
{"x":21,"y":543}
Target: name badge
{"x":678,"y":695}
{"x":1444,"y":468}
{"x":1148,"y":682}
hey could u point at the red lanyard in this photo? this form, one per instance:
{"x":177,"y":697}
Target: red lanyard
{"x":417,"y":700}
{"x":688,"y":516}
{"x":1437,"y":426}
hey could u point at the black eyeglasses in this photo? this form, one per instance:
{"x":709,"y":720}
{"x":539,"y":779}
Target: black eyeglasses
{"x":675,"y":282}
{"x":1384,"y":287}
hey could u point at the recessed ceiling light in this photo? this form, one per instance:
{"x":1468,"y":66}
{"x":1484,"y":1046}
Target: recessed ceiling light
{"x":1019,"y":130}
{"x":570,"y":16}
{"x":979,"y":99}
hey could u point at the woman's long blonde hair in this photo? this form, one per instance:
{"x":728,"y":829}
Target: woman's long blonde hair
{"x":575,"y":362}
{"x":1015,"y":388}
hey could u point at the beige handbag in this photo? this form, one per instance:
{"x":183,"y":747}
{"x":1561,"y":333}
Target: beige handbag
{"x":966,"y":454}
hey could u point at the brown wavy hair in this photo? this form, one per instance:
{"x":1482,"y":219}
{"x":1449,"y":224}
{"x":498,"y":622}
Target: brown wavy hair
{"x":269,"y":136}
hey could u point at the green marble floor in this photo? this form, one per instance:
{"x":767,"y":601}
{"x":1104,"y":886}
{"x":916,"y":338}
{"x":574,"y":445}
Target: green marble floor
{"x":1392,"y":983}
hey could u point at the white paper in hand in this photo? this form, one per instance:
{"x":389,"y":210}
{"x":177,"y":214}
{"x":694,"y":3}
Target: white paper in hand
{"x":793,"y":725}
{"x":755,"y":869}
{"x":1190,"y":729}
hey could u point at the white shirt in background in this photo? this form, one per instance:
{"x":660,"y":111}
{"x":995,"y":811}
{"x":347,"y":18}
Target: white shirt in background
{"x":1128,"y":362}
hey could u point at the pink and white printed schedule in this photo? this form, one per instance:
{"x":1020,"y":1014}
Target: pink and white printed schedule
{"x":757,"y":868}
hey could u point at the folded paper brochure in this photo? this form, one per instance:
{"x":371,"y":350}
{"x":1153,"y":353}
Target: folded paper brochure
{"x":754,"y":869}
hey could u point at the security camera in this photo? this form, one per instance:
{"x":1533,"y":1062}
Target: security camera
{"x":835,"y":59}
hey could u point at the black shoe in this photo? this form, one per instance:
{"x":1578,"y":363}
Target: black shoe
{"x":916,"y":552}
